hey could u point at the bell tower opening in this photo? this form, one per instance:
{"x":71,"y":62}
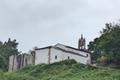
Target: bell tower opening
{"x":82,"y":43}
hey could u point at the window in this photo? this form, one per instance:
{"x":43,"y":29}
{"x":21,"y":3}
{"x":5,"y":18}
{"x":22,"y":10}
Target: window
{"x":55,"y":57}
{"x":87,"y":55}
{"x":68,"y":57}
{"x":25,"y":61}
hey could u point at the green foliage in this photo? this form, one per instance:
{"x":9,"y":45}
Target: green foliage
{"x":108,"y":44}
{"x":95,"y":51}
{"x":103,"y":60}
{"x":7,"y":49}
{"x":65,"y":70}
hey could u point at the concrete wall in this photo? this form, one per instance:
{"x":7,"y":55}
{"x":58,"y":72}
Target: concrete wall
{"x":19,"y":61}
{"x":11,"y":63}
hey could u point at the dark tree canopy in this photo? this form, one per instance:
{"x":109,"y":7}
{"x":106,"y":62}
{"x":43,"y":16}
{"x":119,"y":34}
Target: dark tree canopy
{"x":108,"y":44}
{"x":7,"y":49}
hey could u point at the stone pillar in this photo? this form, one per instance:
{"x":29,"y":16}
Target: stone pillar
{"x":11,"y":59}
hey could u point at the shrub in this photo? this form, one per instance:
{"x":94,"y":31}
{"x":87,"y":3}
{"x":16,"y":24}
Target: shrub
{"x":103,"y":60}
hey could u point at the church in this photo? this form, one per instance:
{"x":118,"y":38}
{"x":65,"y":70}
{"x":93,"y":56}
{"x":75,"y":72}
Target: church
{"x":51,"y":54}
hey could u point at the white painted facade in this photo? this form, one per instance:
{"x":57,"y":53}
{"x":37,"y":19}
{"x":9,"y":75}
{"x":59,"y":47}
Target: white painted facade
{"x":61,"y":52}
{"x":41,"y":56}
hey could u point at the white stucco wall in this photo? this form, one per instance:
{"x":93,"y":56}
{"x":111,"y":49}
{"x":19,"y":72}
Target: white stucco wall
{"x":70,"y":49}
{"x":61,"y":55}
{"x":41,"y":56}
{"x":29,"y":59}
{"x":58,"y":53}
{"x":86,"y":60}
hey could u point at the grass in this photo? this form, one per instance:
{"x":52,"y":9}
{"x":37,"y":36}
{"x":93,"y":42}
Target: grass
{"x":65,"y":70}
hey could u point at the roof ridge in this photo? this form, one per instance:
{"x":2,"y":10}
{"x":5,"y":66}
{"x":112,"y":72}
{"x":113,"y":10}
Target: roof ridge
{"x":73,"y":48}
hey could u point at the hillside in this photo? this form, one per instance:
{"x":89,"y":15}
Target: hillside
{"x":65,"y":70}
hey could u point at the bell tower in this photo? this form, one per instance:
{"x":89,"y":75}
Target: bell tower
{"x":82,"y":43}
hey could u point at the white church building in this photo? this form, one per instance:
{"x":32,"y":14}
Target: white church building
{"x":51,"y":54}
{"x":61,"y":52}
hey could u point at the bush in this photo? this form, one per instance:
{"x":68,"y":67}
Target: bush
{"x":65,"y":62}
{"x":103,"y":60}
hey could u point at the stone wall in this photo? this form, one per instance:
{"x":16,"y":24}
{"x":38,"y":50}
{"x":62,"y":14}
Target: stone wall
{"x":19,"y":61}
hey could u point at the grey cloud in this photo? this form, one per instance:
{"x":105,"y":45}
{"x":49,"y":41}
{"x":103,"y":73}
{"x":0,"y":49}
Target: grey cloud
{"x":20,"y":13}
{"x":45,"y":22}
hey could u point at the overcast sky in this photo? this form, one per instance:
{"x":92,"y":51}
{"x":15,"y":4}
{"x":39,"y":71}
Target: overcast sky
{"x":47,"y":22}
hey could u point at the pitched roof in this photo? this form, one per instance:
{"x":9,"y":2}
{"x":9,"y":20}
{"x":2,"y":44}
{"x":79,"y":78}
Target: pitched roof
{"x":74,"y":48}
{"x":68,"y":51}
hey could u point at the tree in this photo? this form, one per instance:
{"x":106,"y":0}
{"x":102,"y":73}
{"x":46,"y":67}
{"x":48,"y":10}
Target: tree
{"x":95,"y":52}
{"x":108,"y":43}
{"x":7,"y":49}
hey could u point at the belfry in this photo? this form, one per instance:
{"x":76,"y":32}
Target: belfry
{"x":82,"y":43}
